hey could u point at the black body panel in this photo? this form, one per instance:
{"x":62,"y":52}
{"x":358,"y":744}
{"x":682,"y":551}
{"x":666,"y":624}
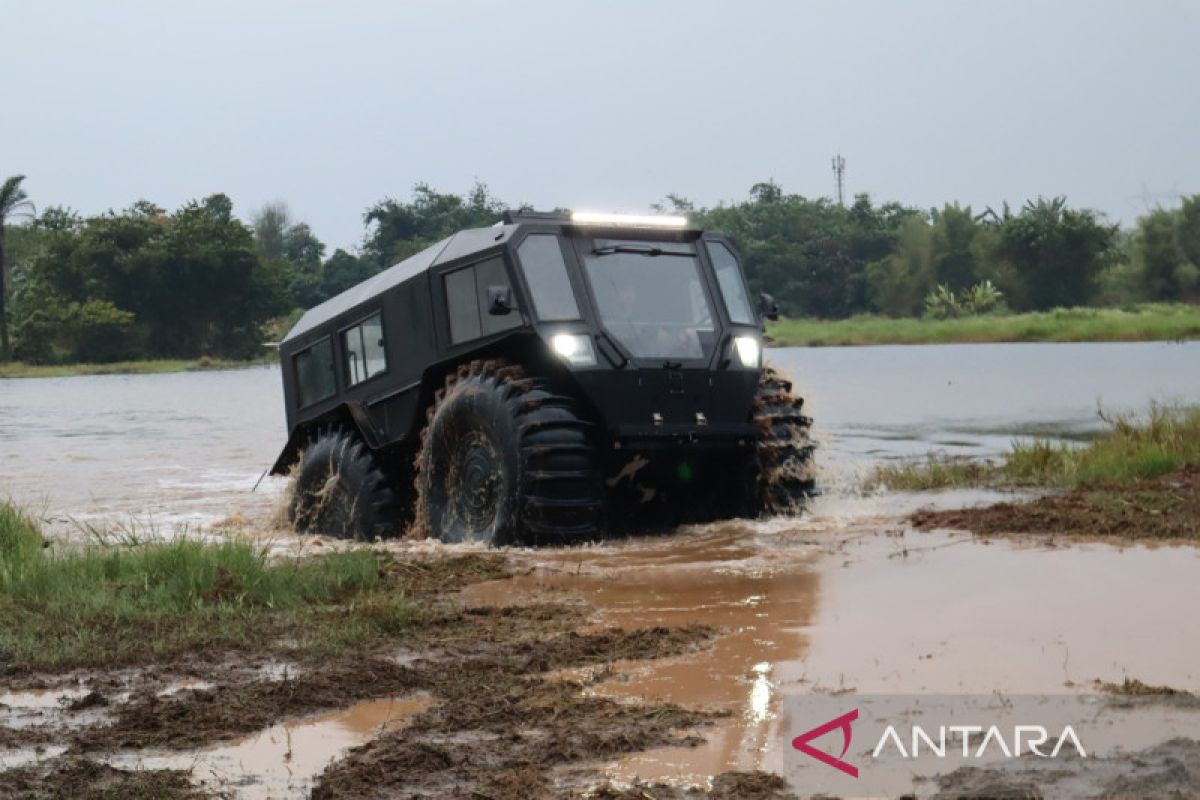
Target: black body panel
{"x":703,"y":402}
{"x":646,"y":405}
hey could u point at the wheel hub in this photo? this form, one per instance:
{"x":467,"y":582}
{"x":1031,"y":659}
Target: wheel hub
{"x":479,"y":485}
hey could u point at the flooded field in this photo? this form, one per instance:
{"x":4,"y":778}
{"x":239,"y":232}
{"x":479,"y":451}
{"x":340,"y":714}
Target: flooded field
{"x":847,"y":600}
{"x":187,"y":448}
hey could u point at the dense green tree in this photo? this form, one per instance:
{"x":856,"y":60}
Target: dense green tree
{"x":270,"y":224}
{"x":675,"y":204}
{"x":297,"y":251}
{"x":1189,"y":229}
{"x":812,"y":255}
{"x":143,"y":282}
{"x":398,"y":230}
{"x":1166,"y":252}
{"x":1161,"y":259}
{"x":1057,"y":252}
{"x":218,"y":291}
{"x":899,"y":282}
{"x":14,"y":202}
{"x":955,"y":260}
{"x":343,"y":270}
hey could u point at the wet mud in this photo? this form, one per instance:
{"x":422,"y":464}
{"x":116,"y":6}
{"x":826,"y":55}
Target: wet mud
{"x":284,"y":759}
{"x":1163,"y":509}
{"x":198,"y":716}
{"x":755,"y":785}
{"x":462,"y":678}
{"x":83,"y":779}
{"x":648,"y":667}
{"x":1166,"y":771}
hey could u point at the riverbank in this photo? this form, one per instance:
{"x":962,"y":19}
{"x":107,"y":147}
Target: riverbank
{"x":1150,"y":322}
{"x":1138,"y":480}
{"x":1166,"y":508}
{"x":16,"y":369}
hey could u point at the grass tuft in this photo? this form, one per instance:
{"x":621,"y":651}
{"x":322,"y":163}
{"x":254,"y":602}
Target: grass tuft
{"x":937,"y":471}
{"x":105,"y":604}
{"x":1135,"y":447}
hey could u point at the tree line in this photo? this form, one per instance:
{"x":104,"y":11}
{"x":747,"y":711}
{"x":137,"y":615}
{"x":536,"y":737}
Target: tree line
{"x":198,"y":281}
{"x":823,"y":260}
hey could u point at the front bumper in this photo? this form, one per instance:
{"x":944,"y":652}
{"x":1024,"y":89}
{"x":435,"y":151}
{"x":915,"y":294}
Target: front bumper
{"x":702,"y":437}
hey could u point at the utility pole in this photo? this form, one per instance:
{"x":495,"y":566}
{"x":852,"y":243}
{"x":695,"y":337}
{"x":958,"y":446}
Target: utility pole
{"x":839,"y":172}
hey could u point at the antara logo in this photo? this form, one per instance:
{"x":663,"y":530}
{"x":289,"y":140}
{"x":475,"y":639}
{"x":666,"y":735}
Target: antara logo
{"x":801,"y":742}
{"x":1033,"y":737}
{"x":991,"y":741}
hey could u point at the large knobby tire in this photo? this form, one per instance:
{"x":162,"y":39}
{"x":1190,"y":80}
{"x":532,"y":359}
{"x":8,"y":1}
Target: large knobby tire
{"x":784,"y":475}
{"x":503,"y":460}
{"x":340,"y":491}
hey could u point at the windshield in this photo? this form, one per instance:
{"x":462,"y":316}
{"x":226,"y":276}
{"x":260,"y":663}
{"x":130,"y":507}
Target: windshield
{"x":651,"y":297}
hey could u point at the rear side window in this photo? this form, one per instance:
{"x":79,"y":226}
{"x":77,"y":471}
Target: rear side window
{"x":364,"y":349}
{"x":733,"y":288}
{"x":546,"y":273}
{"x":315,"y":380}
{"x":467,"y":301}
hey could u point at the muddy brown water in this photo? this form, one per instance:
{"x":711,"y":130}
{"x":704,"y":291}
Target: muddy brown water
{"x":861,"y":604}
{"x":284,"y":760}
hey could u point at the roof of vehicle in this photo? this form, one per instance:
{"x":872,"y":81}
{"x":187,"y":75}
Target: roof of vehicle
{"x":461,"y":244}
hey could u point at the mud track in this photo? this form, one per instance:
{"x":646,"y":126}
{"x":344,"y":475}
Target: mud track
{"x":83,"y":779}
{"x":502,"y":721}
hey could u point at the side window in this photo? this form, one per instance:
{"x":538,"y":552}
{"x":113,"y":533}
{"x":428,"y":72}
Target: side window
{"x":467,"y":301}
{"x":364,"y":348}
{"x":733,"y":288}
{"x":462,"y":303}
{"x":314,"y":373}
{"x":546,"y":273}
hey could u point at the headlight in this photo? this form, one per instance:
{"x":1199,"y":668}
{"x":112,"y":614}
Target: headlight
{"x":574,"y":348}
{"x":747,"y":350}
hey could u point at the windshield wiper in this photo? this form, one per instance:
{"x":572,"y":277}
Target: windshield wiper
{"x":630,"y":248}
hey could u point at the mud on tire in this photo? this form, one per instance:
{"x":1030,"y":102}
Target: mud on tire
{"x":504,"y":459}
{"x":784,"y":476}
{"x":340,"y":490}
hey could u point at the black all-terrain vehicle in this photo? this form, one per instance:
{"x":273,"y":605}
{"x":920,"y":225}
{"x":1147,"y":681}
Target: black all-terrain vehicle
{"x":546,"y":380}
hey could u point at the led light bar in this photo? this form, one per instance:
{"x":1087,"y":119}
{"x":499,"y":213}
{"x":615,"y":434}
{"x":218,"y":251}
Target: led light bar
{"x":627,"y":220}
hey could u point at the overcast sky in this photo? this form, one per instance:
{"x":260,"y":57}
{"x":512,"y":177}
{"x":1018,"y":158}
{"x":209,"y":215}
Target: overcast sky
{"x":332,"y":106}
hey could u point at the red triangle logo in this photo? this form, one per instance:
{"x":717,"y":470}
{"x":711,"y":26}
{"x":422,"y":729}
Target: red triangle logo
{"x":801,"y":742}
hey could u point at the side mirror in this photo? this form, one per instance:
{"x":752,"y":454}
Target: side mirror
{"x":767,"y":307}
{"x":500,"y":300}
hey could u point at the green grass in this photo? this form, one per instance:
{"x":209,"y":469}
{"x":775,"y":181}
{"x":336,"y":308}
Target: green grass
{"x":1151,"y":322}
{"x":937,"y":471}
{"x":109,"y":604}
{"x":1133,"y":448}
{"x":16,"y":369}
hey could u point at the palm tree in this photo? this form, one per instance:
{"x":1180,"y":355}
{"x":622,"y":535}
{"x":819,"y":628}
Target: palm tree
{"x":13,"y":202}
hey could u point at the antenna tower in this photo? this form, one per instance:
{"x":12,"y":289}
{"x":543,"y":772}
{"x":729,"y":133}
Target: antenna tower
{"x":839,"y":173}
